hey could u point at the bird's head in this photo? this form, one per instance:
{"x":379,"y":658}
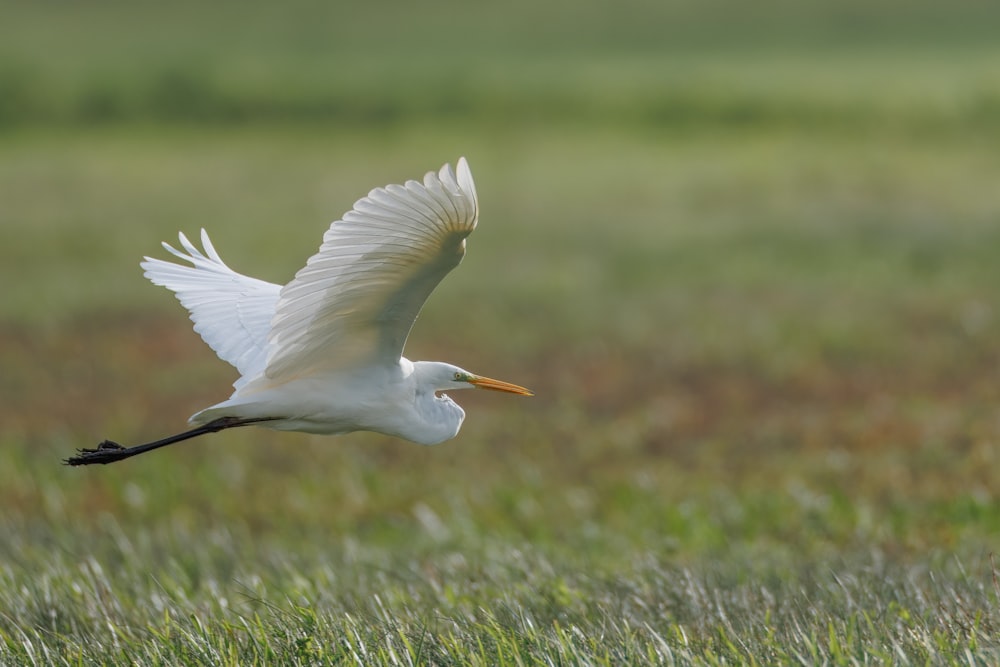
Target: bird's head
{"x":446,"y":377}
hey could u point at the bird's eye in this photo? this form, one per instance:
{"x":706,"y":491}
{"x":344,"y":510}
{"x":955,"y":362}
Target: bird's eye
{"x":458,"y":377}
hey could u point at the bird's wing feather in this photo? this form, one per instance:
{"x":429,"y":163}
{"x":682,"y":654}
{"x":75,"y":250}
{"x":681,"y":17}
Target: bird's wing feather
{"x":232,"y":312}
{"x":356,"y":299}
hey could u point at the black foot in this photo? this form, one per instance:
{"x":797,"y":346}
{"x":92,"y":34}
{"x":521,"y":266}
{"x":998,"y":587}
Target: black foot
{"x":106,"y":452}
{"x":109,"y":452}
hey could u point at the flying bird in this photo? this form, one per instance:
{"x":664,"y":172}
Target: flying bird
{"x":323,"y":354}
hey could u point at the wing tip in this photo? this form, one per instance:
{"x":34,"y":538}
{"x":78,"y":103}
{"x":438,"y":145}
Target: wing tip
{"x":464,"y":177}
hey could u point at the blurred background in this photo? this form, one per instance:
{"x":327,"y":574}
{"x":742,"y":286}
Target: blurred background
{"x":746,"y":255}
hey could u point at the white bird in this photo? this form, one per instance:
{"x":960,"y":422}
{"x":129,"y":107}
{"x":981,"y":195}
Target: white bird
{"x":323,"y":354}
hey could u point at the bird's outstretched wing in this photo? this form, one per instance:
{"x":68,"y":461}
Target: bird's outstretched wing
{"x":355,"y":301}
{"x":232,"y":312}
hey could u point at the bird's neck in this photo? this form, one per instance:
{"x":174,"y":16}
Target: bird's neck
{"x":439,"y":418}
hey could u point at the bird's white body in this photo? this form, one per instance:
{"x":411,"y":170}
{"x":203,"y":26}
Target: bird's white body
{"x":387,"y":400}
{"x":322,"y":354}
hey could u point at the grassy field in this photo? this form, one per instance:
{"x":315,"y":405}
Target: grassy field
{"x":748,"y":261}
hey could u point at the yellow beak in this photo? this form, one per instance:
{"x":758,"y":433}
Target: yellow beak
{"x":498,"y":385}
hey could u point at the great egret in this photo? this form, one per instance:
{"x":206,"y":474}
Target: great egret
{"x":323,"y":353}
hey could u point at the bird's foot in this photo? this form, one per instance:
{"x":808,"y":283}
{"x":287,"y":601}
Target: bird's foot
{"x":106,"y":452}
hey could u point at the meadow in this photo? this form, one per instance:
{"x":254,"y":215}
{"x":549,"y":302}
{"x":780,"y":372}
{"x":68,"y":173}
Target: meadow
{"x":747,"y":260}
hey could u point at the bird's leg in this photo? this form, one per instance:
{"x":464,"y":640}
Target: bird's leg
{"x":109,"y":452}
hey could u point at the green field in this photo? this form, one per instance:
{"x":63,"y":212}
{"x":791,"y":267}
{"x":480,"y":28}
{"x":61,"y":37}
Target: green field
{"x":748,"y":260}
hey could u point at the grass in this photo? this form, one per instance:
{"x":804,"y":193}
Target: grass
{"x":779,"y":63}
{"x":749,"y":271}
{"x":537,"y":612}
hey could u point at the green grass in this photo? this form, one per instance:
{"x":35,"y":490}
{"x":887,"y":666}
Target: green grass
{"x":507,"y":606}
{"x":748,"y":262}
{"x":780,"y":63}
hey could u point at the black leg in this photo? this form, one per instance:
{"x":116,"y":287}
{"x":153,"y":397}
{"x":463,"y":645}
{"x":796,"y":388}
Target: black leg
{"x":109,"y":452}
